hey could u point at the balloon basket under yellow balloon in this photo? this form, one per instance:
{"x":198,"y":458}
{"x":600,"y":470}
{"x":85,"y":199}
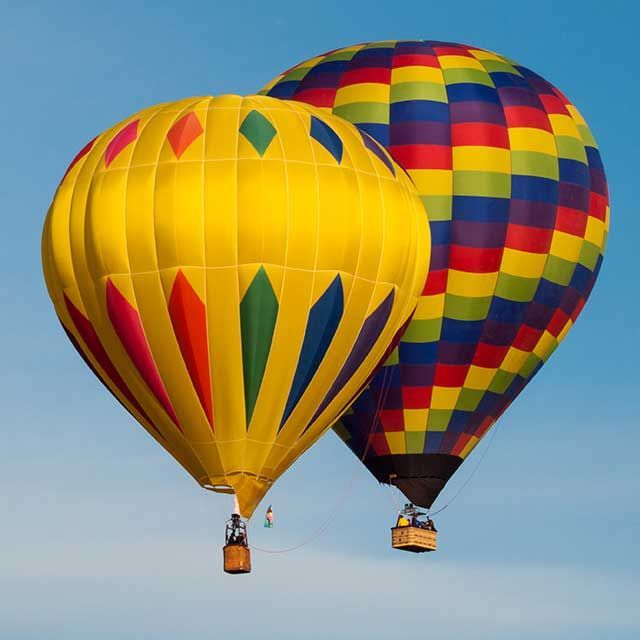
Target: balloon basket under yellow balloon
{"x":237,"y":558}
{"x":414,"y":539}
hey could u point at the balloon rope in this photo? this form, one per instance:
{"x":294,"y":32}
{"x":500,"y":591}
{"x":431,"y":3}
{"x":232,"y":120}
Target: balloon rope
{"x":470,"y":477}
{"x":347,"y":492}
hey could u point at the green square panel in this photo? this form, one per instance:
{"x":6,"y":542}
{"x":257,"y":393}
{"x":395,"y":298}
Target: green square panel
{"x":572,"y":148}
{"x":469,"y":399}
{"x":558,"y":270}
{"x":339,"y":55}
{"x":438,"y":419}
{"x":296,"y":74}
{"x":516,"y":288}
{"x":423,"y":331}
{"x":529,"y":365}
{"x":438,"y":208}
{"x":414,"y":441}
{"x":482,"y":183}
{"x":531,"y":163}
{"x":589,"y":255}
{"x":364,"y":112}
{"x":467,"y":76}
{"x":466,"y":308}
{"x":501,"y":381}
{"x":587,"y":136}
{"x":418,"y":91}
{"x":499,"y":66}
{"x":380,"y":44}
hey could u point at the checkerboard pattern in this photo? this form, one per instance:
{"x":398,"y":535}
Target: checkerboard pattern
{"x":516,"y":197}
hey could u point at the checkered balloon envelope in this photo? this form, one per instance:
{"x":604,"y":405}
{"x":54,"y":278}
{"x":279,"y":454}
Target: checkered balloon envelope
{"x":516,"y":197}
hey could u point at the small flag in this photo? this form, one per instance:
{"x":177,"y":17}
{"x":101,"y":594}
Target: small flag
{"x":268,"y":518}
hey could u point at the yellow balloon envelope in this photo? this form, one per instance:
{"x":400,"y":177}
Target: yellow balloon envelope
{"x":234,"y":270}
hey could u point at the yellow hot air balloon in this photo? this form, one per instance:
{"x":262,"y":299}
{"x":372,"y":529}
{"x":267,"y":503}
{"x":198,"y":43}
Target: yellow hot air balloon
{"x":234,"y":270}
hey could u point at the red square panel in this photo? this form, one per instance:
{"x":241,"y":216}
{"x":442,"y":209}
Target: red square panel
{"x":558,"y":322}
{"x":422,"y":156}
{"x":376,"y":75}
{"x":461,"y":444}
{"x":436,"y":283}
{"x":380,"y":445}
{"x":527,"y":338}
{"x":529,"y":117}
{"x":571,"y":221}
{"x":415,"y":60}
{"x":489,"y":355}
{"x":392,"y":419}
{"x":598,"y":206}
{"x":444,"y":50}
{"x":553,"y":104}
{"x":531,"y":239}
{"x":450,"y":375}
{"x":474,"y":259}
{"x":479,"y":134}
{"x":323,"y":97}
{"x":416,"y":397}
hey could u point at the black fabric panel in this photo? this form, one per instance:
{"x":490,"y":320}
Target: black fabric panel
{"x":420,"y":476}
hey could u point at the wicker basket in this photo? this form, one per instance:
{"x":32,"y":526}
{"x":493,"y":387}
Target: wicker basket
{"x":414,"y":539}
{"x":237,"y":558}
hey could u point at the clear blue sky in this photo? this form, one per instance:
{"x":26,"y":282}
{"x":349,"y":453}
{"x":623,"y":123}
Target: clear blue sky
{"x":102,"y":535}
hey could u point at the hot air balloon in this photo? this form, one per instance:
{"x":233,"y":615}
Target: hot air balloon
{"x":516,"y":197}
{"x":233,"y":270}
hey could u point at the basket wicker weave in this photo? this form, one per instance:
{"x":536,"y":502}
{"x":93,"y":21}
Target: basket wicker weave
{"x":237,"y":558}
{"x":414,"y":539}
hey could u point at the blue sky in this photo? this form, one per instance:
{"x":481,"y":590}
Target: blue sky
{"x":102,"y":535}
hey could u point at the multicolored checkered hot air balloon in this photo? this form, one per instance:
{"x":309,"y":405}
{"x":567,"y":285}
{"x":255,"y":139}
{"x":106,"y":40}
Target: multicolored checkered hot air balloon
{"x":233,"y":270}
{"x":516,"y":197}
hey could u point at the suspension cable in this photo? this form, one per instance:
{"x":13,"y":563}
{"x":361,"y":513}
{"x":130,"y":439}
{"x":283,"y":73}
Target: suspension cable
{"x":470,"y":477}
{"x":386,"y":384}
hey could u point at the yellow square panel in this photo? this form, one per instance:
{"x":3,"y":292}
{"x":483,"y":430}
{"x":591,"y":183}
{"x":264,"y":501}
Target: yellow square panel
{"x":529,"y":139}
{"x":480,"y":158}
{"x":479,"y":377}
{"x":365,"y":92}
{"x":417,"y":74}
{"x":309,"y":64}
{"x":565,"y":245}
{"x":575,"y":114}
{"x":460,"y":62}
{"x":595,"y":231}
{"x":523,"y":263}
{"x":435,"y":182}
{"x":485,"y":55}
{"x":444,"y":397}
{"x":514,"y":360}
{"x":467,"y":284}
{"x":563,"y":125}
{"x":545,"y":345}
{"x":396,"y":442}
{"x":473,"y":441}
{"x":429,"y":307}
{"x":415,"y":419}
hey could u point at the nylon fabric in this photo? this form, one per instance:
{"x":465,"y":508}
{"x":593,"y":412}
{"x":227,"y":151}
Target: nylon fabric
{"x":184,"y":251}
{"x":517,"y":201}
